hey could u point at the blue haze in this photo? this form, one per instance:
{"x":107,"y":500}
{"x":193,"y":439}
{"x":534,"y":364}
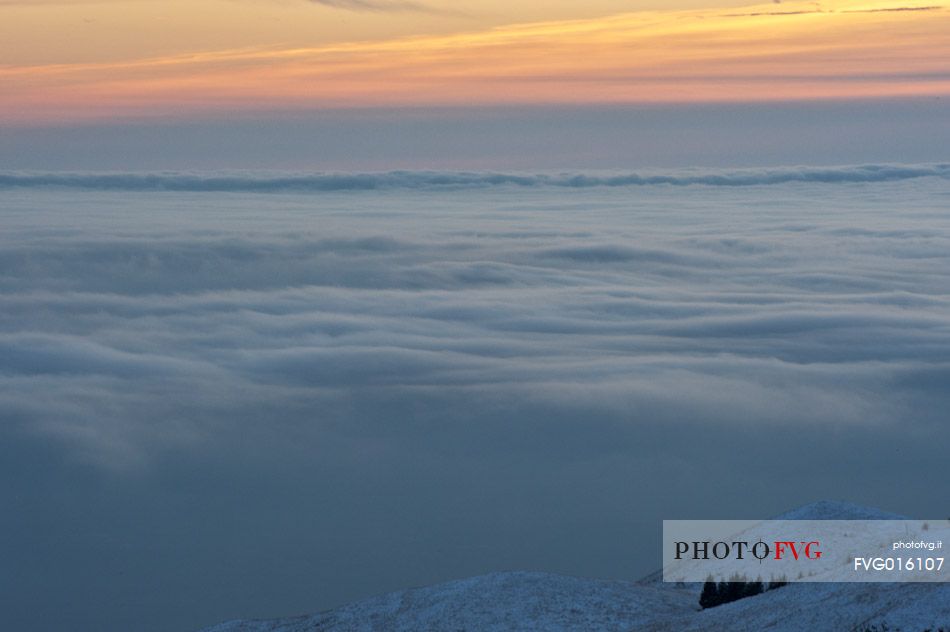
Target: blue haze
{"x":499,"y":138}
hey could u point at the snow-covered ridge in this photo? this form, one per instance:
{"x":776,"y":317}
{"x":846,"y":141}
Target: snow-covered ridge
{"x":540,"y":601}
{"x":496,"y":602}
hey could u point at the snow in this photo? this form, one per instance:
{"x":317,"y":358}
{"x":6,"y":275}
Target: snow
{"x":538,"y":601}
{"x":496,"y":602}
{"x":826,"y":607}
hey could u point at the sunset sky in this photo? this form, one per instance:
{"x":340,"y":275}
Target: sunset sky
{"x":305,"y":301}
{"x":81,"y":62}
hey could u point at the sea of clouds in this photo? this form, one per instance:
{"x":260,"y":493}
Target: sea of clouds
{"x":308,"y":394}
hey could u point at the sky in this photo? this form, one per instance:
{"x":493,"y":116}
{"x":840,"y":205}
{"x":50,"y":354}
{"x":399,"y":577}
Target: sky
{"x":286,"y":69}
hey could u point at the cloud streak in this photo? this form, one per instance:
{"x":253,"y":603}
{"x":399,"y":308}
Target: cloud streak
{"x":379,"y":6}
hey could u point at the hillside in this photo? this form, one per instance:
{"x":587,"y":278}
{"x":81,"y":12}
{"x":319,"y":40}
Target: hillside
{"x":496,"y":602}
{"x":538,"y":601}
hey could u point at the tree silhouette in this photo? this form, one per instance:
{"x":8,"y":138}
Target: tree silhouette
{"x":715,"y":594}
{"x":710,"y":596}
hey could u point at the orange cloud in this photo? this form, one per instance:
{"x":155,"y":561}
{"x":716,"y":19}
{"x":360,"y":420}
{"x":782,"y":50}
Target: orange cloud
{"x":853,"y":49}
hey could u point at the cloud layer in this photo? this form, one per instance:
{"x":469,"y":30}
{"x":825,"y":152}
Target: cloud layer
{"x":429,"y":180}
{"x":259,"y":399}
